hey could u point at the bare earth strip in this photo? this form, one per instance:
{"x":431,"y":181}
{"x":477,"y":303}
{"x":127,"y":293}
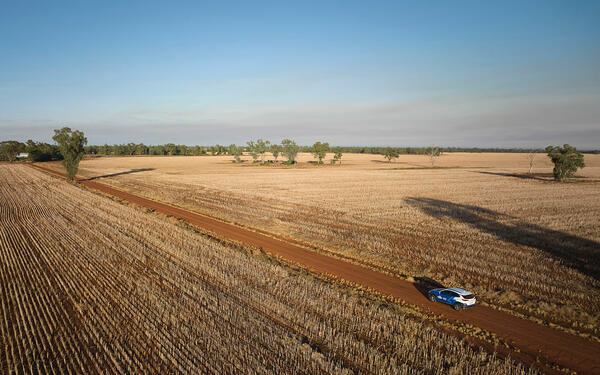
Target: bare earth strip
{"x":549,"y":344}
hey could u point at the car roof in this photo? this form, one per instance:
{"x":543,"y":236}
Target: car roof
{"x":459,"y":290}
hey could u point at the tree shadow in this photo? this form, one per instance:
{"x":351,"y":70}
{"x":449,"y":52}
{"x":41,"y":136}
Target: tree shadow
{"x":119,"y":173}
{"x":576,"y":252}
{"x":380,"y":161}
{"x":525,"y":176}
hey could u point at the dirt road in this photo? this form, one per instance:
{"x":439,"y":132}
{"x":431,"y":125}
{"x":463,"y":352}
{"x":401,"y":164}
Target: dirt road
{"x":533,"y":340}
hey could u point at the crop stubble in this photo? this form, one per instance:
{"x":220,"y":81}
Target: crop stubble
{"x":89,"y":285}
{"x":524,"y":243}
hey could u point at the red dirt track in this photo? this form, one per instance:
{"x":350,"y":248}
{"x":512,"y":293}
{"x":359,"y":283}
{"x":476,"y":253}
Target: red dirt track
{"x":533,"y":340}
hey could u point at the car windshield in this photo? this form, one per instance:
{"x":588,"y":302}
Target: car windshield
{"x":468,"y":296}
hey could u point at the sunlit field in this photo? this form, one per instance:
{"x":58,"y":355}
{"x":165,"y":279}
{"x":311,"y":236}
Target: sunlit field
{"x":520,"y":241}
{"x":93,"y":286}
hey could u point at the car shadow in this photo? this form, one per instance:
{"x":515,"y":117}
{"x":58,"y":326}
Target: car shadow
{"x":576,"y":252}
{"x":120,"y":173}
{"x":425,"y":284}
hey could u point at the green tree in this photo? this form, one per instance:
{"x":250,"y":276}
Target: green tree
{"x":390,"y":153}
{"x":236,"y":151}
{"x":337,"y":156}
{"x":319,"y":150}
{"x":130,"y":148}
{"x":275,"y":150}
{"x":218,"y":149}
{"x":290,"y":150}
{"x":71,"y":144}
{"x":104,"y":150}
{"x":253,"y":150}
{"x":199,"y":150}
{"x":39,"y":151}
{"x":10,"y":150}
{"x":170,"y":148}
{"x":566,"y":161}
{"x":262,"y":147}
{"x":141,"y":149}
{"x":258,"y":149}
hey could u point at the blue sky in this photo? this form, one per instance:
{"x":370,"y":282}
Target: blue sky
{"x":370,"y":73}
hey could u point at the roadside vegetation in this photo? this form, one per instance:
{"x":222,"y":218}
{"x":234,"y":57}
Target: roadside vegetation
{"x":93,"y":286}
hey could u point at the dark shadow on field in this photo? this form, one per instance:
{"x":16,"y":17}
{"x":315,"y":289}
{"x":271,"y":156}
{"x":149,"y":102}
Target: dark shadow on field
{"x":395,"y":161}
{"x":387,"y":162}
{"x":576,"y":252}
{"x":425,"y":284}
{"x":418,"y":168}
{"x":120,"y":173}
{"x":399,"y":162}
{"x":525,"y":176}
{"x":548,"y":177}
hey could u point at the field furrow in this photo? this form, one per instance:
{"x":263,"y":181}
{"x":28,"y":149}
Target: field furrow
{"x":520,"y":242}
{"x":92,"y":286}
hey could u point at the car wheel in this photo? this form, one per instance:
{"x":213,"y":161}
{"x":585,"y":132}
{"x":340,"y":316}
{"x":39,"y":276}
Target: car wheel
{"x":432,"y":298}
{"x":457,"y":306}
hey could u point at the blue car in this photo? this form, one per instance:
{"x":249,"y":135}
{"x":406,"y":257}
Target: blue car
{"x":455,"y":297}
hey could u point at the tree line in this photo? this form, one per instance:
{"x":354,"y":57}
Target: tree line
{"x":287,"y":149}
{"x":40,"y":151}
{"x":71,"y":147}
{"x":37,"y":151}
{"x":380,"y":150}
{"x":170,"y":149}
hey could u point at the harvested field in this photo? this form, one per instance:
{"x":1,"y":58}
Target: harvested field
{"x":520,"y":242}
{"x":92,"y":286}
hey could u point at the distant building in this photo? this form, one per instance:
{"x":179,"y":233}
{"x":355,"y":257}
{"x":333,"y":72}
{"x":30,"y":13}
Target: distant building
{"x":22,"y":155}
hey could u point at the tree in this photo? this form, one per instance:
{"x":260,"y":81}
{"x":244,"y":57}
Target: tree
{"x":10,"y":150}
{"x":71,"y":144}
{"x":199,"y":150}
{"x":39,"y":151}
{"x":252,"y":150}
{"x":158,"y":150}
{"x":566,"y":161}
{"x":130,"y":148}
{"x":531,"y":157}
{"x":170,"y":148}
{"x":337,"y":156}
{"x":218,"y":149}
{"x":262,"y":147}
{"x":434,"y":153}
{"x":236,"y":151}
{"x":275,"y":150}
{"x":390,"y":153}
{"x":91,"y":150}
{"x":290,"y":150}
{"x":319,"y":150}
{"x":258,"y":149}
{"x":104,"y":150}
{"x":141,"y":149}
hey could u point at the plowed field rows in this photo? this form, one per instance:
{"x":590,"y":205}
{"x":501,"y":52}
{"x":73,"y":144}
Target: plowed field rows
{"x":91,"y":286}
{"x":479,"y":221}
